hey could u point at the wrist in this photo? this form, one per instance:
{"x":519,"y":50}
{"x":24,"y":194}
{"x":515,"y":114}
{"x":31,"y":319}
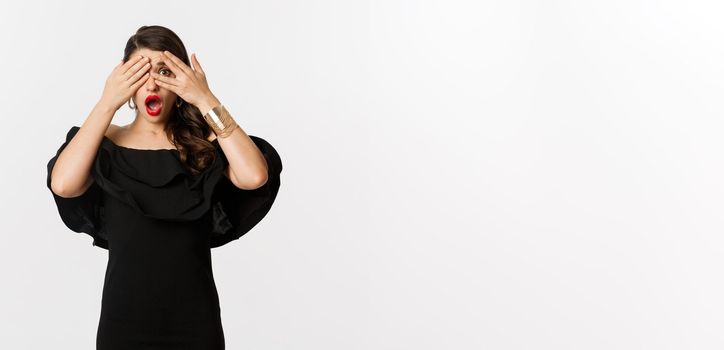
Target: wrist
{"x":207,"y":104}
{"x":220,"y":121}
{"x":105,"y":107}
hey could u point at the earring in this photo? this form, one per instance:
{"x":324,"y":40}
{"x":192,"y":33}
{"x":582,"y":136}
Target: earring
{"x":179,"y":102}
{"x":129,"y":104}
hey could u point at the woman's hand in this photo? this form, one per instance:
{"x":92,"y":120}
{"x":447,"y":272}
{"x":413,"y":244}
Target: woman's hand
{"x":188,"y":83}
{"x":124,"y":81}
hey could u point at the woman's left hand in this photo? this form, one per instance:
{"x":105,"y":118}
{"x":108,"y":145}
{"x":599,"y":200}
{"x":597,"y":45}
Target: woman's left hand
{"x":189,"y":84}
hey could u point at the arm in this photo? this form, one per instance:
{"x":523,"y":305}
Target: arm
{"x":247,"y":168}
{"x":71,"y":174}
{"x":69,"y":178}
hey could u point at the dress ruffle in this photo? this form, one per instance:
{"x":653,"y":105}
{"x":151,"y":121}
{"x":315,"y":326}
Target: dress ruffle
{"x":236,"y":211}
{"x":170,"y":192}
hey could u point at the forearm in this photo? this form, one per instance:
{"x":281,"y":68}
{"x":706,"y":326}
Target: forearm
{"x":247,"y":165}
{"x":71,"y":172}
{"x":207,"y":104}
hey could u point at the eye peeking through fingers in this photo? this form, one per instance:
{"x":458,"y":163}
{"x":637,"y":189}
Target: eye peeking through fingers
{"x":170,"y":73}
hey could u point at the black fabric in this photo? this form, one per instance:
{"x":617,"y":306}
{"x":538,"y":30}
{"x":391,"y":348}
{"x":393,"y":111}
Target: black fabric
{"x":234,"y":211}
{"x":84,"y":213}
{"x":159,"y":223}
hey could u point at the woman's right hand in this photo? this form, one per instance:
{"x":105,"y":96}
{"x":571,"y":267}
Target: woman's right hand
{"x":124,"y":81}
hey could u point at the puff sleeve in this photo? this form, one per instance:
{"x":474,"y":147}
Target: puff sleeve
{"x":236,"y":211}
{"x":84,"y":213}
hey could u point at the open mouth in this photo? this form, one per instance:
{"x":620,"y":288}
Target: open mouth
{"x":153,"y":105}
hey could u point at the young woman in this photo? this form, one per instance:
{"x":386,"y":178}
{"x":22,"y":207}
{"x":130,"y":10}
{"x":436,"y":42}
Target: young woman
{"x":159,"y":193}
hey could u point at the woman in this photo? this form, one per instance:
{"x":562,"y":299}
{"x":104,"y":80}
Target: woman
{"x":159,"y":193}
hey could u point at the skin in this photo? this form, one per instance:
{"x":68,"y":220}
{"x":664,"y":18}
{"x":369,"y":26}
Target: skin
{"x":137,"y":78}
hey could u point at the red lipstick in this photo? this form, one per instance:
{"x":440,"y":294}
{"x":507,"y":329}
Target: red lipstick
{"x":153,"y":105}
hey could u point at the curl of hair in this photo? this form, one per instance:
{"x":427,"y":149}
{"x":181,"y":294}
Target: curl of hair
{"x":186,"y":129}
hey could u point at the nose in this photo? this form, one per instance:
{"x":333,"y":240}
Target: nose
{"x":151,"y":84}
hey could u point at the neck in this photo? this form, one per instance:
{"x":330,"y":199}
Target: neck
{"x":143,"y":126}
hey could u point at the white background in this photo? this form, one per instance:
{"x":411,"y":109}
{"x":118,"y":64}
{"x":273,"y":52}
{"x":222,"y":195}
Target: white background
{"x":457,"y":174}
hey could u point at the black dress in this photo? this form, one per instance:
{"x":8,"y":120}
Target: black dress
{"x":159,"y":223}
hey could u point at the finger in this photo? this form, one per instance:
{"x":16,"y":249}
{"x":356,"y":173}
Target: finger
{"x":166,"y":86}
{"x":140,"y":82}
{"x":130,"y":64}
{"x":175,"y":69}
{"x":140,"y":72}
{"x":137,"y":69}
{"x":138,"y":64}
{"x":197,"y":65}
{"x":178,"y":63}
{"x":167,"y":80}
{"x":123,"y":66}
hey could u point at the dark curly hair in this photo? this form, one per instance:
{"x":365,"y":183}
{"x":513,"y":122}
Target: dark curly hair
{"x":186,"y":128}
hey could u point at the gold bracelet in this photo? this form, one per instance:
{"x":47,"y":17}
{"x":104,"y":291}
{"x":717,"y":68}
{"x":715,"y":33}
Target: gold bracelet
{"x":220,"y":121}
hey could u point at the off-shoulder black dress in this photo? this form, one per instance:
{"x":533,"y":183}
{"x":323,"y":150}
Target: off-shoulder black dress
{"x":159,"y":223}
